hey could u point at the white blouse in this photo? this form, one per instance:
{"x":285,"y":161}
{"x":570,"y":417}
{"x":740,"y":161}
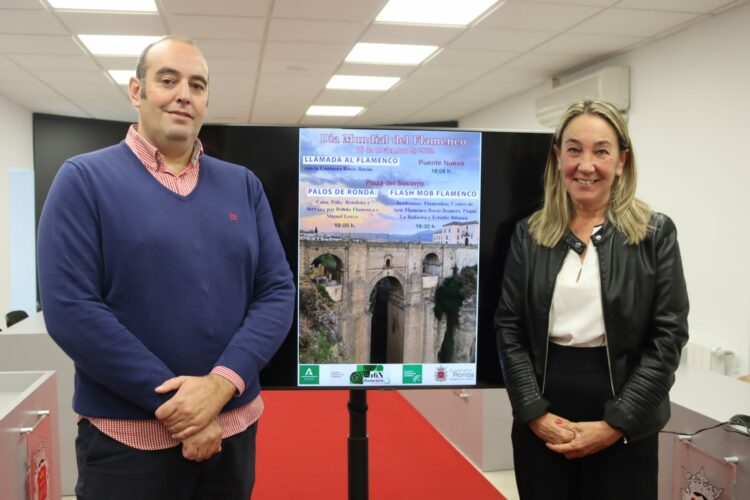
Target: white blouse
{"x":576,"y":317}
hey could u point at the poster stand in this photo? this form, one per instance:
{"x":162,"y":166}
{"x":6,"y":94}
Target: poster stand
{"x":357,"y":451}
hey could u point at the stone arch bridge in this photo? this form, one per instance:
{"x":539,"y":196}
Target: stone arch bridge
{"x":394,"y":281}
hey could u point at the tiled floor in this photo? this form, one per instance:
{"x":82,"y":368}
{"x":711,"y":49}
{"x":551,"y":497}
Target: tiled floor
{"x":505,"y":482}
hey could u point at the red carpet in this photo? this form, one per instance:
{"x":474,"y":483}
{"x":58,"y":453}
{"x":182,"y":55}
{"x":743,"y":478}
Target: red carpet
{"x":302,"y":450}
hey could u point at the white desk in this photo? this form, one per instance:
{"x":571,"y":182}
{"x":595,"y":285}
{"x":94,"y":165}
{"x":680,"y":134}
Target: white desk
{"x":27,"y":346}
{"x":702,"y":398}
{"x":714,"y":396}
{"x":22,"y":396}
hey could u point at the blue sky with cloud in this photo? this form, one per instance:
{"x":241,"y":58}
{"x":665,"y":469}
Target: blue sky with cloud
{"x":442,"y":178}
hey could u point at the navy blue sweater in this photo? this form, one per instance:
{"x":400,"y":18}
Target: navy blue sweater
{"x":140,"y":284}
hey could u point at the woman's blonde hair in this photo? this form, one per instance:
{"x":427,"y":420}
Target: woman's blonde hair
{"x":626,"y":212}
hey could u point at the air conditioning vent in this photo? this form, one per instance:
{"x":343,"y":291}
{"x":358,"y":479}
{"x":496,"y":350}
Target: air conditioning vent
{"x":610,"y":84}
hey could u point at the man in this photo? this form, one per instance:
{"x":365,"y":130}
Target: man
{"x":163,"y":278}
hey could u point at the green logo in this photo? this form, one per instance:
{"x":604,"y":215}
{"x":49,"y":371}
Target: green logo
{"x":412,"y":374}
{"x":309,"y":374}
{"x":369,"y":373}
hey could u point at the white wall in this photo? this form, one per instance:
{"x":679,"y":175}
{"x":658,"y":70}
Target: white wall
{"x":16,"y":150}
{"x":689,"y":124}
{"x":513,"y":114}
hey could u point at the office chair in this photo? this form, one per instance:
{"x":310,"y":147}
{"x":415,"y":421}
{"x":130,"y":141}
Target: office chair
{"x":14,"y":317}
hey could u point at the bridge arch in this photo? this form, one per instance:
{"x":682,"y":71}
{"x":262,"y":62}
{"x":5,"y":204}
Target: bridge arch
{"x":386,"y":313}
{"x":329,"y":266}
{"x":431,"y":264}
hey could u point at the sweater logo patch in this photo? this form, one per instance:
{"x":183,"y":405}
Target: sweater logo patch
{"x":233,"y":217}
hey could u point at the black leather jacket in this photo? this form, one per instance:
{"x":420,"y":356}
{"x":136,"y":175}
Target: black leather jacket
{"x":645,"y":305}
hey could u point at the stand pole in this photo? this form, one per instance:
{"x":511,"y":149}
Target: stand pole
{"x":358,"y":466}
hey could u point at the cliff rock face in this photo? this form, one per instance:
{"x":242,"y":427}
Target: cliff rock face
{"x":461,"y":337}
{"x":456,"y":303}
{"x":442,"y":326}
{"x":465,"y":333}
{"x":320,"y":336}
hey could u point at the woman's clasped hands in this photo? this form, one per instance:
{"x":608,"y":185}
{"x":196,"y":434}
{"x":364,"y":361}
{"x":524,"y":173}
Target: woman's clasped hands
{"x":574,"y":439}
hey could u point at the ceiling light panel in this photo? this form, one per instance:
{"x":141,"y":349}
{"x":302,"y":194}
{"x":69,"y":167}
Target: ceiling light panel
{"x":390,"y":53}
{"x":116,"y":45}
{"x":111,"y":23}
{"x":436,"y":12}
{"x":355,"y":82}
{"x":121,"y":76}
{"x":334,"y":110}
{"x":105,"y":5}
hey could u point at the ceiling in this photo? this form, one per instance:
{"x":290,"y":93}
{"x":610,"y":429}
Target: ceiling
{"x":270,"y":60}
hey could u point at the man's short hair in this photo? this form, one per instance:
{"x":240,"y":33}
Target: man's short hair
{"x":141,"y":66}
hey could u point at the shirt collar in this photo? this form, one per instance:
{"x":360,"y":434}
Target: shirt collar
{"x":599,"y":235}
{"x":151,"y":157}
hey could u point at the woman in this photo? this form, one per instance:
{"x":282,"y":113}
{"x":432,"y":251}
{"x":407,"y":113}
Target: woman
{"x":591,"y":320}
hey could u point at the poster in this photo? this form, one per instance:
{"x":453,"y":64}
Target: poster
{"x":388,"y":256}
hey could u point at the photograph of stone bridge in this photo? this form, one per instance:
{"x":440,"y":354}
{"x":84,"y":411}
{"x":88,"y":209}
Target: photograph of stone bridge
{"x":387,"y":302}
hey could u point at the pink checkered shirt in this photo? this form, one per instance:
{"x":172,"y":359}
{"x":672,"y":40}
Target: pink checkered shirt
{"x":152,"y":434}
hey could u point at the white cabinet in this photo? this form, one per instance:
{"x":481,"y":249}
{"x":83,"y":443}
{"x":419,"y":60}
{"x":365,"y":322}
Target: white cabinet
{"x":476,"y":421}
{"x":27,"y":346}
{"x":28,"y":407}
{"x":700,"y":399}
